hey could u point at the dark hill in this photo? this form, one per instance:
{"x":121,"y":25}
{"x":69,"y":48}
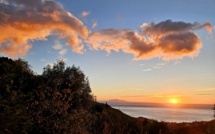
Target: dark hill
{"x":60,"y":102}
{"x":113,"y":121}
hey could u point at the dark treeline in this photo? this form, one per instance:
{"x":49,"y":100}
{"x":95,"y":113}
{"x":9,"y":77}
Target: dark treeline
{"x":59,"y":101}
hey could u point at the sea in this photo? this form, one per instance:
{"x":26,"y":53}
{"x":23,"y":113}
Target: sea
{"x":168,"y":112}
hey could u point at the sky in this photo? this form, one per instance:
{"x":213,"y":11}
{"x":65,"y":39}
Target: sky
{"x":140,"y":51}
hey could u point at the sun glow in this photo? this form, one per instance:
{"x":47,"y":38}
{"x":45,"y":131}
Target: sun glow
{"x":173,"y":100}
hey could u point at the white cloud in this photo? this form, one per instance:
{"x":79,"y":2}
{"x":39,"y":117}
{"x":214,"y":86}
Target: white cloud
{"x":94,"y":24}
{"x":144,"y":25}
{"x":156,"y":66}
{"x":161,"y":64}
{"x":146,"y":70}
{"x":85,"y":13}
{"x":63,"y":51}
{"x":58,"y":46}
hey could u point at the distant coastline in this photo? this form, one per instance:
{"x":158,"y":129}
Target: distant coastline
{"x":117,"y":102}
{"x":165,"y":112}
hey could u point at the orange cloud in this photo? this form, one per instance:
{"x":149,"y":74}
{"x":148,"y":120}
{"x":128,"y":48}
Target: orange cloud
{"x":208,"y":26}
{"x":108,"y":39}
{"x":24,"y":21}
{"x":167,"y":40}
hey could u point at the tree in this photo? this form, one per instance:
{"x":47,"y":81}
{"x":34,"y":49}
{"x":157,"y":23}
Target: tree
{"x":58,"y":101}
{"x":14,"y":74}
{"x":15,"y":80}
{"x":72,"y":78}
{"x":62,"y":100}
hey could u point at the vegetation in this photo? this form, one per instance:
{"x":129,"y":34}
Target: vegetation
{"x":60,"y":101}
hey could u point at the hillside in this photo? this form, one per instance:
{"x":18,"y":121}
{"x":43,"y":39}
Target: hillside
{"x":60,"y":101}
{"x":114,"y":121}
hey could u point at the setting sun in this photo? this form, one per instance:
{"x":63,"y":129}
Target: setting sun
{"x":174,"y":100}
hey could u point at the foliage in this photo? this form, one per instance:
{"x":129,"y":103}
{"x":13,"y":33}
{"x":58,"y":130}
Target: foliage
{"x":112,"y":121}
{"x":12,"y":117}
{"x":157,"y":128}
{"x":55,"y":102}
{"x":72,"y":78}
{"x":14,"y":74}
{"x":60,"y":101}
{"x":13,"y":95}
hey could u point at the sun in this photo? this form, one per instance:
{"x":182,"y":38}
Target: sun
{"x":173,"y":100}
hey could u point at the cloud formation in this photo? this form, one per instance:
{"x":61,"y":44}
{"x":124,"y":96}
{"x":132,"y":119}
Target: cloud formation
{"x":58,"y":46}
{"x":24,"y":21}
{"x":94,"y":24}
{"x":155,"y":67}
{"x":85,"y":13}
{"x":159,"y":65}
{"x":146,"y":70}
{"x":167,"y":40}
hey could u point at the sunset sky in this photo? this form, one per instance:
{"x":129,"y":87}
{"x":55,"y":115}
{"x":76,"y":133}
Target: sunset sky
{"x":134,"y":50}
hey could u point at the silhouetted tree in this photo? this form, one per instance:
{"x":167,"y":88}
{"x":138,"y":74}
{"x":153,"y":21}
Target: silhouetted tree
{"x":15,"y":75}
{"x":15,"y":80}
{"x":57,"y":101}
{"x":62,"y":100}
{"x":72,"y":78}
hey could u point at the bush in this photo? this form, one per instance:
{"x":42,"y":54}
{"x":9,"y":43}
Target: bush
{"x":57,"y":101}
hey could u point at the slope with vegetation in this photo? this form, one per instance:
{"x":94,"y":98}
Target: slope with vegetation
{"x":60,"y":101}
{"x":57,"y":101}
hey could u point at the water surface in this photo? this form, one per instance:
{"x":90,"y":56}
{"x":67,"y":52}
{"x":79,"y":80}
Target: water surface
{"x":168,"y":114}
